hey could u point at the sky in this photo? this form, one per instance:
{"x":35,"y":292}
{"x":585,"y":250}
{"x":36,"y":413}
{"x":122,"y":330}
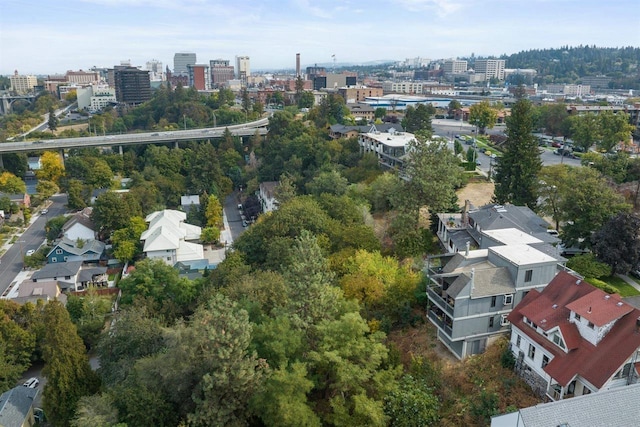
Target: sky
{"x":52,"y":36}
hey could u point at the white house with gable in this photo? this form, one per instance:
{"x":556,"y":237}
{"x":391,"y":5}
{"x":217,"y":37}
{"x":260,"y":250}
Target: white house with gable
{"x":171,"y":239}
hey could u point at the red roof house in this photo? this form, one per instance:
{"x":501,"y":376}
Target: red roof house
{"x":572,"y":339}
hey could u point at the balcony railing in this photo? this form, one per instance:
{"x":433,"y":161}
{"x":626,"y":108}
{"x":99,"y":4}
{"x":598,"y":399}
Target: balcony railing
{"x":434,"y":295}
{"x":439,"y":321}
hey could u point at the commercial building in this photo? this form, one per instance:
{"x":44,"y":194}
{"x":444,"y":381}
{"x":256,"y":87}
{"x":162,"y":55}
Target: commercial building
{"x":454,"y":66}
{"x":22,"y":84}
{"x":243,"y":69}
{"x":180,"y":62}
{"x":132,"y":85}
{"x":156,"y":71}
{"x":199,"y":76}
{"x":221,"y":72}
{"x":491,"y":68}
{"x":83,"y":77}
{"x":358,"y":94}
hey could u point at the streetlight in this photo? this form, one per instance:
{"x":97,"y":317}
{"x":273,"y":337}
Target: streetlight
{"x":184,"y":118}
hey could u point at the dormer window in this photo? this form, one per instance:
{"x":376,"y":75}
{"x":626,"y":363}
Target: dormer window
{"x":577,"y":317}
{"x":591,"y":325}
{"x":557,"y":340}
{"x":508,"y":299}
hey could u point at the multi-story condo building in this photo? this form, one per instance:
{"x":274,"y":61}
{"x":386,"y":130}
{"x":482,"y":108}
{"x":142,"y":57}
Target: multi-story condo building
{"x":132,"y":85}
{"x":454,"y":66}
{"x":471,"y":293}
{"x":180,"y":62}
{"x":221,"y":72}
{"x":22,"y":84}
{"x":403,"y":87}
{"x":199,"y":76}
{"x":390,"y":146}
{"x":491,"y":68}
{"x":572,"y":339}
{"x":243,"y":69}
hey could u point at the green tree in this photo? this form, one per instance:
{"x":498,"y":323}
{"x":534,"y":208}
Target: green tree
{"x":517,"y":170}
{"x":11,"y":184}
{"x":75,"y":191}
{"x":413,"y":403}
{"x":483,"y":116}
{"x":585,"y":130}
{"x":210,"y":234}
{"x":331,"y":182}
{"x":418,"y":118}
{"x":553,"y":181}
{"x":454,"y":105}
{"x":69,"y":376}
{"x":96,"y":411}
{"x":588,"y":266}
{"x":112,"y":211}
{"x":614,"y":129}
{"x":46,"y":189}
{"x":53,"y":120}
{"x":17,"y":344}
{"x":617,"y":243}
{"x":588,"y":203}
{"x":380,"y":112}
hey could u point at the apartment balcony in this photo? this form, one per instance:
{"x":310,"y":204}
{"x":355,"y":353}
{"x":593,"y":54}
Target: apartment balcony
{"x":434,"y":295}
{"x":440,"y":321}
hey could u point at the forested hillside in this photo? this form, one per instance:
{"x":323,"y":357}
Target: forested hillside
{"x":568,"y":64}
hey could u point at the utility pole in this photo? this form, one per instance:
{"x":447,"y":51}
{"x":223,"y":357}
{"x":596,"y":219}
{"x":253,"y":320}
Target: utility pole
{"x":184,"y":118}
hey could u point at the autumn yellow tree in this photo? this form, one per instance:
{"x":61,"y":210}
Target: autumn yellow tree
{"x":52,"y":168}
{"x":11,"y":184}
{"x":213,"y":212}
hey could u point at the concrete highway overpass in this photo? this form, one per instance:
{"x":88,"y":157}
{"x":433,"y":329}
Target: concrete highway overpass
{"x":175,"y":136}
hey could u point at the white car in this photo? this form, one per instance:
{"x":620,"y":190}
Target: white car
{"x":31,"y":382}
{"x":30,"y":252}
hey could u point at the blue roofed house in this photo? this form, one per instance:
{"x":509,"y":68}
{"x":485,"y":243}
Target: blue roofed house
{"x":87,"y":251}
{"x":16,"y":407}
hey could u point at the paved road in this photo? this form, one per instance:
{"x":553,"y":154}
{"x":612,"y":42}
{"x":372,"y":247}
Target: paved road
{"x":11,"y":262}
{"x":233,"y":215}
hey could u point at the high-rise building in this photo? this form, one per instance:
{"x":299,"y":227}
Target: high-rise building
{"x":243,"y":70}
{"x":133,"y":86}
{"x":180,"y":62}
{"x":156,"y":72}
{"x":221,"y":72}
{"x":491,"y":68}
{"x":22,"y":84}
{"x":454,"y":66}
{"x":199,"y":77}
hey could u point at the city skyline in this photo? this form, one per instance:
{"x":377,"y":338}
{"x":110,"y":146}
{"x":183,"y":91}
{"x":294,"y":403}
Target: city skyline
{"x":47,"y":37}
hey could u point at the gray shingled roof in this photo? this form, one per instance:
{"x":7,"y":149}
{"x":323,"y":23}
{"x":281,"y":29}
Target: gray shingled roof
{"x":618,"y":407}
{"x":93,"y":246}
{"x":60,"y":269}
{"x":15,"y":405}
{"x":494,"y":217}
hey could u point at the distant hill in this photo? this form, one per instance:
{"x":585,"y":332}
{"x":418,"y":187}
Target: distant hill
{"x":569,"y":64}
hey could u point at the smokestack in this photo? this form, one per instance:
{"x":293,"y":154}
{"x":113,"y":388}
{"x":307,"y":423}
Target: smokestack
{"x":298,"y":65}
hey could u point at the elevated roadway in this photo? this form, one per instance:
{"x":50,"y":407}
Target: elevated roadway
{"x":175,"y":136}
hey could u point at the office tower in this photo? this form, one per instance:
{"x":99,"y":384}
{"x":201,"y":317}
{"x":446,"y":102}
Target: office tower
{"x":243,"y":71}
{"x":455,"y":66}
{"x":133,"y":86}
{"x":180,"y":62}
{"x":491,"y":68}
{"x":221,"y":72}
{"x":199,"y":76}
{"x":155,"y":69}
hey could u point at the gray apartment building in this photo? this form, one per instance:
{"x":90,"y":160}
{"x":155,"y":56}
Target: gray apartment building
{"x":180,"y":62}
{"x":471,"y":293}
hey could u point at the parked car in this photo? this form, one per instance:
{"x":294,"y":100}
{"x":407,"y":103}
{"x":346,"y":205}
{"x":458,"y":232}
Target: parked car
{"x":30,"y":252}
{"x":44,"y":211}
{"x":635,"y":273}
{"x":556,"y":144}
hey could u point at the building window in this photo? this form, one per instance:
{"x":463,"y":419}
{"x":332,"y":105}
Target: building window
{"x":591,"y":325}
{"x":508,"y":299}
{"x":557,"y":340}
{"x":491,"y":322}
{"x":578,"y":317}
{"x":518,"y":340}
{"x":59,"y":251}
{"x":624,"y":372}
{"x":503,"y":320}
{"x":54,"y":259}
{"x":545,"y":360}
{"x":532,"y":352}
{"x":528,"y":275}
{"x":493,"y":301}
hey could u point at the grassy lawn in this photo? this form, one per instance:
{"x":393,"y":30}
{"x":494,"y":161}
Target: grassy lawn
{"x":624,"y":289}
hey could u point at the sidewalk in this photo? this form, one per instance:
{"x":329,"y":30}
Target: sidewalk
{"x":630,"y":281}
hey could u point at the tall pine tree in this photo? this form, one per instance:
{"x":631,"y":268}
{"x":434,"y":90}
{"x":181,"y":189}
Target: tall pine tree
{"x":517,"y":170}
{"x":69,"y":376}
